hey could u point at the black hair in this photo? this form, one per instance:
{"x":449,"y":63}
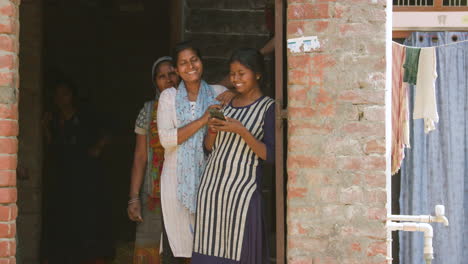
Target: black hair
{"x":250,"y":58}
{"x":181,"y":46}
{"x":70,"y":86}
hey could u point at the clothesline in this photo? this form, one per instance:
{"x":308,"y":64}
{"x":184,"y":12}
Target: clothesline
{"x":458,"y":42}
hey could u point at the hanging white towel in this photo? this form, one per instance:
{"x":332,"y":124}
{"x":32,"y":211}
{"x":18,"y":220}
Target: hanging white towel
{"x":425,"y":104}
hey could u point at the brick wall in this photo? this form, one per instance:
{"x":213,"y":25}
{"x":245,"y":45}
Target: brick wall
{"x":336,"y":142}
{"x":9,"y":28}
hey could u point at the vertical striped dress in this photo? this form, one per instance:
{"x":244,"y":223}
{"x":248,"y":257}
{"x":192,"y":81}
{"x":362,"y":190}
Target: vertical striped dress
{"x":229,"y":221}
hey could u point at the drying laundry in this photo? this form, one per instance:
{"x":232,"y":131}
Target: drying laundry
{"x":400,"y":112}
{"x":411,"y":65}
{"x":425,"y":104}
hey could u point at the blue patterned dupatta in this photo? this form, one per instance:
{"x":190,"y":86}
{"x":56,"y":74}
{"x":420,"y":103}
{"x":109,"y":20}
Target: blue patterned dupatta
{"x":190,"y":155}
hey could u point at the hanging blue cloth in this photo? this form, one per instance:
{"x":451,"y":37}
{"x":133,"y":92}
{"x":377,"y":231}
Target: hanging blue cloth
{"x":190,"y":155}
{"x":435,"y":168}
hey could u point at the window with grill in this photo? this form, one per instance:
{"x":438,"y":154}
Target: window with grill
{"x":430,"y":5}
{"x":413,"y":2}
{"x":455,"y":3}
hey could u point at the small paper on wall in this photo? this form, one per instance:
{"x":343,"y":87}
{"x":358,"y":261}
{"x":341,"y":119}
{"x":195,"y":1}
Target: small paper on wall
{"x":294,"y":45}
{"x":303,"y":44}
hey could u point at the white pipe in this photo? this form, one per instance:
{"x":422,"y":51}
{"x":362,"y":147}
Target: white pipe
{"x":439,"y":211}
{"x":420,"y":218}
{"x":418,"y":227}
{"x":411,"y":218}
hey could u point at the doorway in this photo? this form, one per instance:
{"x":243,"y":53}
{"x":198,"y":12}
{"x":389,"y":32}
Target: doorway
{"x":106,"y":48}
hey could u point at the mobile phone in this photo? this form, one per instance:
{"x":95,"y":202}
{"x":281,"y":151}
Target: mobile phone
{"x":216,"y":113}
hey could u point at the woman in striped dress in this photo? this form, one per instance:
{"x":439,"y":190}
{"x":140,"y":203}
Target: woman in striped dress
{"x":229,"y":222}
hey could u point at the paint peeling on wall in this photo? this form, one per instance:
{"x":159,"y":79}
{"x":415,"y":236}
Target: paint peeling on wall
{"x":303,"y":44}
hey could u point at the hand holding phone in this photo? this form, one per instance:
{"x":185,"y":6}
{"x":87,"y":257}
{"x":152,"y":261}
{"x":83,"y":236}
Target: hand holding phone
{"x":216,"y":113}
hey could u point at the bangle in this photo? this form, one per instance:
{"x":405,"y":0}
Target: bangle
{"x":133,"y":200}
{"x":212,"y":131}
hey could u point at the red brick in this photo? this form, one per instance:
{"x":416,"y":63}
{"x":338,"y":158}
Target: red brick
{"x":298,"y":94}
{"x":297,"y":1}
{"x":328,"y":194}
{"x":377,"y":213}
{"x":8,"y":10}
{"x":298,"y":76}
{"x":301,"y":112}
{"x":372,"y":230}
{"x":294,"y":212}
{"x":351,"y":195}
{"x":374,"y":113}
{"x":323,"y":97}
{"x":363,"y":96}
{"x":362,"y":163}
{"x":8,"y":128}
{"x":320,"y":62}
{"x":8,"y":145}
{"x":8,"y":195}
{"x":309,"y":127}
{"x":374,"y":146}
{"x":300,"y":260}
{"x":9,"y":111}
{"x":295,"y":29}
{"x":294,"y":192}
{"x":7,"y":43}
{"x":10,"y":260}
{"x":7,"y":61}
{"x":356,"y":247}
{"x":7,"y":178}
{"x":292,"y":176}
{"x":7,"y":230}
{"x":363,"y":129}
{"x":340,"y":10}
{"x":377,"y":248}
{"x":8,"y":212}
{"x":343,"y":146}
{"x":376,"y":179}
{"x":325,"y":260}
{"x":328,"y":178}
{"x":348,"y":112}
{"x":353,"y":29}
{"x":307,"y":161}
{"x":319,"y":245}
{"x":307,"y":144}
{"x":327,"y":110}
{"x":308,"y":11}
{"x":376,"y":196}
{"x":9,"y":26}
{"x":298,"y":61}
{"x":6,"y":79}
{"x":8,"y":162}
{"x":7,"y":248}
{"x":316,"y":26}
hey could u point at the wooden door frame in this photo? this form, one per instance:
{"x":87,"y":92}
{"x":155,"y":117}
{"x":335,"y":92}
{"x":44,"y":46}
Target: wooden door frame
{"x":279,"y":128}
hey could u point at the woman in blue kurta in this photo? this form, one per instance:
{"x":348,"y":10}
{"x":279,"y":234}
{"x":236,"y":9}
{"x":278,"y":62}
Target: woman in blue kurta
{"x":229,"y":222}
